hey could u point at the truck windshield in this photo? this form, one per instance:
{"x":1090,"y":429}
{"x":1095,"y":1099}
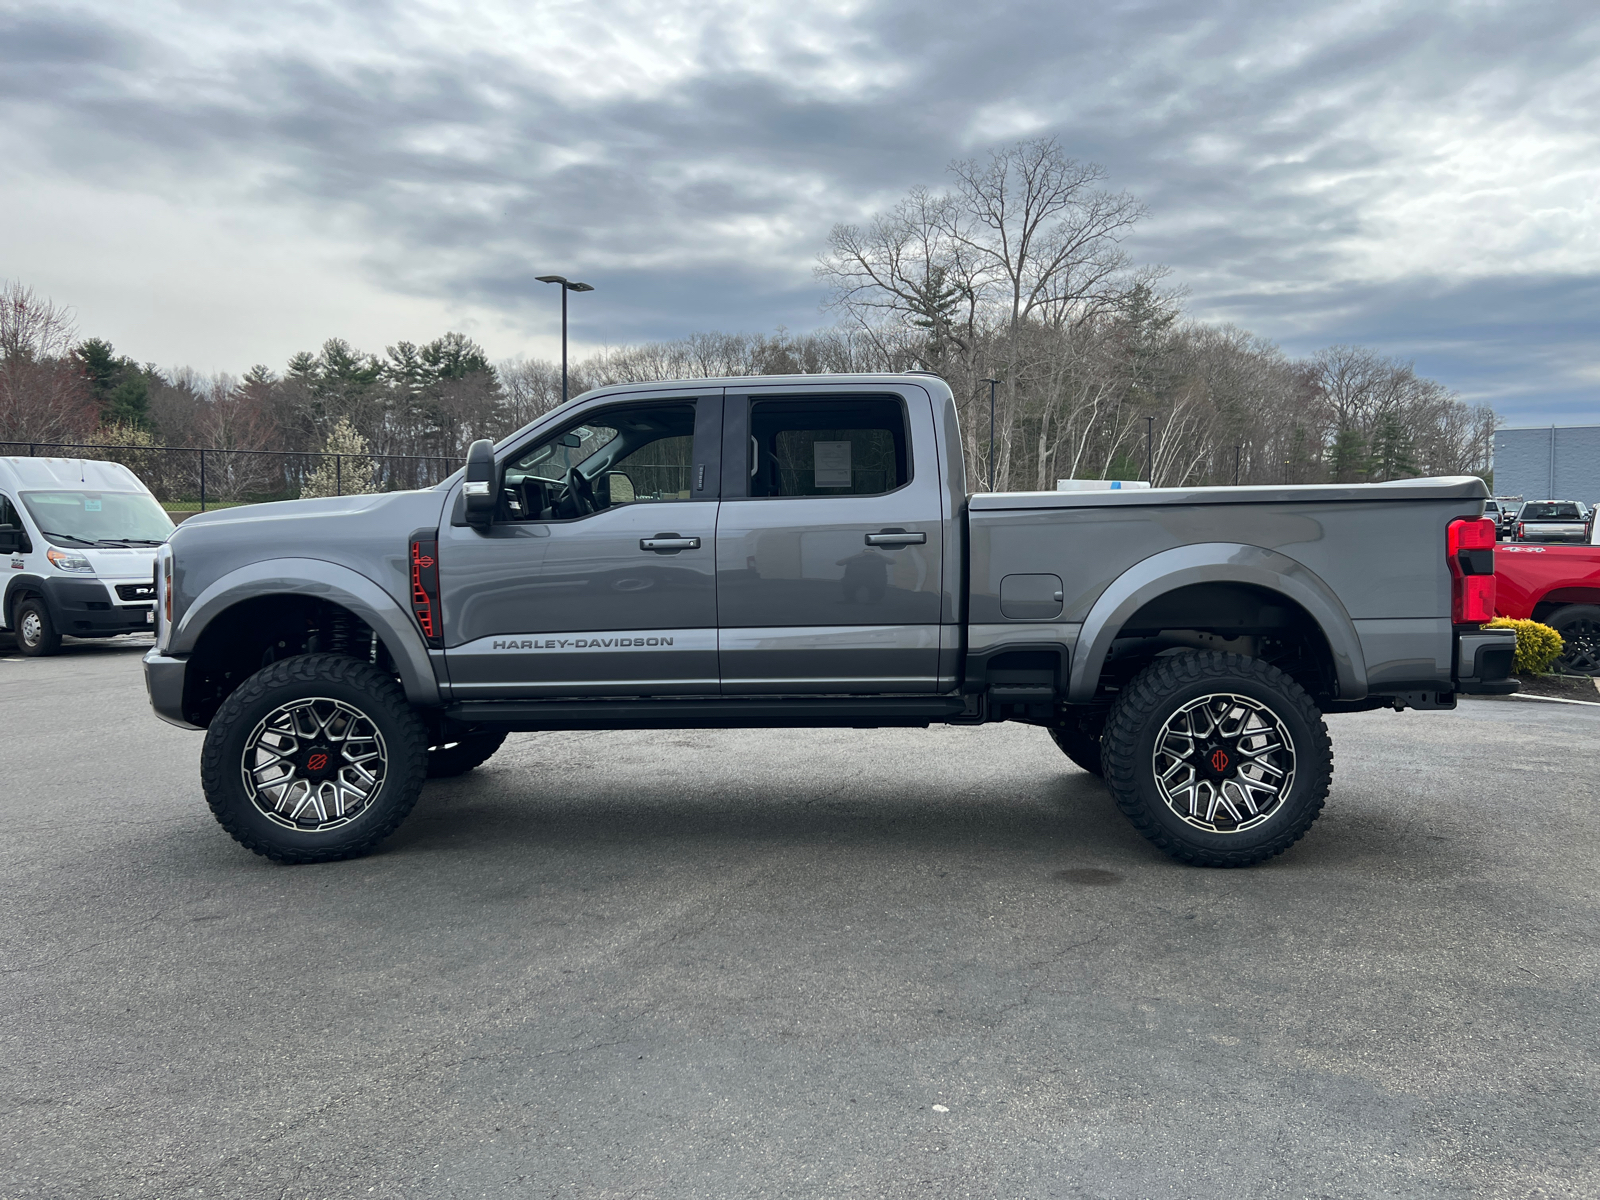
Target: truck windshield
{"x":1550,"y":512}
{"x":98,"y":518}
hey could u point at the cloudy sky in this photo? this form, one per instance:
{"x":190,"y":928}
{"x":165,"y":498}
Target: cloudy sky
{"x":217,"y":184}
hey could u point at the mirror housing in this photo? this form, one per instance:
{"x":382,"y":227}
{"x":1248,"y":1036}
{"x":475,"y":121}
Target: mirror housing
{"x":10,"y":541}
{"x":480,"y":488}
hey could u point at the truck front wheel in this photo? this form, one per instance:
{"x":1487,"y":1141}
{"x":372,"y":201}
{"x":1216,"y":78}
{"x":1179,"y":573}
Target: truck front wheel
{"x":446,"y":759}
{"x":314,"y":758}
{"x":36,"y":632}
{"x":1220,"y":760}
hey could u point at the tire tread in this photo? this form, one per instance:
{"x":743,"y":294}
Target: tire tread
{"x":408,"y":762}
{"x":1136,"y":707}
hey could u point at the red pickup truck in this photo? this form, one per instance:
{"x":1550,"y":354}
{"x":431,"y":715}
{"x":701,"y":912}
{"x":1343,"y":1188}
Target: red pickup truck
{"x":1559,"y":586}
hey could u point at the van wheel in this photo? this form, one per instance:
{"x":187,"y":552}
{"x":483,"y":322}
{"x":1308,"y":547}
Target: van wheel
{"x":36,"y":632}
{"x":1579,"y":627}
{"x":314,"y":758}
{"x":1079,"y":739}
{"x":457,"y":758}
{"x":1219,"y":759}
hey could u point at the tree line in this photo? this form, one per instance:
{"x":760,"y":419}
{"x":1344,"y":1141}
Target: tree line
{"x":1012,"y":283}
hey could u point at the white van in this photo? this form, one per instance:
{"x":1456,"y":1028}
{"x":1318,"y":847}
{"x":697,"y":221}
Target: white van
{"x":78,"y":545}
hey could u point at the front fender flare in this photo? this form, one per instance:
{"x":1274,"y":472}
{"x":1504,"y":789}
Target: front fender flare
{"x":1215,"y":562}
{"x":325,"y":581}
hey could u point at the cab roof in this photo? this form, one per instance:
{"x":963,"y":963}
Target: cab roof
{"x":67,"y":474}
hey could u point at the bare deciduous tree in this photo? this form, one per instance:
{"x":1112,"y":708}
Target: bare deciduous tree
{"x":43,"y":395}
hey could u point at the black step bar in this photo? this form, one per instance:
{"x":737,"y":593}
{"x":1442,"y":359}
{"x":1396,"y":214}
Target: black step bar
{"x":790,"y":712}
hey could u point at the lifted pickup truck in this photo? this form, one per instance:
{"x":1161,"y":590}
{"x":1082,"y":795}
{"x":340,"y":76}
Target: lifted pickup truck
{"x":802,"y":552}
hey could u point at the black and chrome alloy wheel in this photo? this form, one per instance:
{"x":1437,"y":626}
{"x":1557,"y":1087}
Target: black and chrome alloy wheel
{"x":314,"y":758}
{"x":1219,"y":759}
{"x":314,"y":764}
{"x":1223,"y":763}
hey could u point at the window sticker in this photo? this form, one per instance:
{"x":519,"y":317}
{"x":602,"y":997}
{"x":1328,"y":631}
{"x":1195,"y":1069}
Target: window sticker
{"x":91,"y":506}
{"x":831,"y":464}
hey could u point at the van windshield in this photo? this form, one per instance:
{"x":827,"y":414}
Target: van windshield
{"x":98,"y":518}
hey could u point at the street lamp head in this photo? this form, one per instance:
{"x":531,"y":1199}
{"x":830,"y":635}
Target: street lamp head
{"x":569,"y":284}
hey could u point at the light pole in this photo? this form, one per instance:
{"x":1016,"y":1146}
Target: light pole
{"x":1236,"y":452}
{"x":567,"y":285}
{"x":1150,"y":450}
{"x":991,"y":383}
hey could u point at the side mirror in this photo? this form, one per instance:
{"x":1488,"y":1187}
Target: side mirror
{"x":619,"y":487}
{"x":481,"y":488}
{"x":10,"y":541}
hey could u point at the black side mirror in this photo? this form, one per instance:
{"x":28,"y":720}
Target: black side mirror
{"x":481,"y":488}
{"x":10,"y":541}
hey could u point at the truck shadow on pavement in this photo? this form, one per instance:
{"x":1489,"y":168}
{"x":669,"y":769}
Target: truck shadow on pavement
{"x":1072,"y":811}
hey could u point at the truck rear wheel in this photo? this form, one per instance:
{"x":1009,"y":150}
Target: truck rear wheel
{"x":459,"y":757}
{"x":37,"y":634}
{"x":1219,"y":759}
{"x":1079,"y":739}
{"x":1579,"y":627}
{"x":314,"y":758}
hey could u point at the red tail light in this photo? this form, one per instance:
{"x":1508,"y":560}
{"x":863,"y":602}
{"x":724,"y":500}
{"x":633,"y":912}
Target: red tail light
{"x":425,"y":588}
{"x":1469,"y":549}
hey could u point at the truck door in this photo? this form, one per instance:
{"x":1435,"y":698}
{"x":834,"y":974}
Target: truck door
{"x":600,"y":578}
{"x":829,"y":543}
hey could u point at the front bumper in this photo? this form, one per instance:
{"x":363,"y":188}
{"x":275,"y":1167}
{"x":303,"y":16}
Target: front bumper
{"x":163,"y":680}
{"x":1483,"y":662}
{"x":91,"y":608}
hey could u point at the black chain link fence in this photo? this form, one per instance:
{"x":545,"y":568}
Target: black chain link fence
{"x":195,"y":477}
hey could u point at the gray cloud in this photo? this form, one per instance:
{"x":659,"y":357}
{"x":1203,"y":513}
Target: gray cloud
{"x":1407,"y":174}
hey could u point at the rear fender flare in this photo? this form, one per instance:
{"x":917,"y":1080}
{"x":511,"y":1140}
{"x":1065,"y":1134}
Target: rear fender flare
{"x":1215,"y":562}
{"x":324,"y":581}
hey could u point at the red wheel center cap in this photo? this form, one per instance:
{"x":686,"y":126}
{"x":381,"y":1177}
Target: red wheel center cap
{"x":317,"y":763}
{"x":1219,"y":761}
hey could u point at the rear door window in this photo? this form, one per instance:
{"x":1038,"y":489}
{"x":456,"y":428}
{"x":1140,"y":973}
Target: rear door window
{"x":838,"y":447}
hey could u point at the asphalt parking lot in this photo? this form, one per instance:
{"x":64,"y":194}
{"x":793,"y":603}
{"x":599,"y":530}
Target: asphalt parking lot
{"x":875,"y":963}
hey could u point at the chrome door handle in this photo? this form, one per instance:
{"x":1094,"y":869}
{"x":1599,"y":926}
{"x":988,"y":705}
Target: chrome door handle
{"x":897,"y":539}
{"x":669,"y":541}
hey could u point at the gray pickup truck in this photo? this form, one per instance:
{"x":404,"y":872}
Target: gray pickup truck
{"x":803,"y":552}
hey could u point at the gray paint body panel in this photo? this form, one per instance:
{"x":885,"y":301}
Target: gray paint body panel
{"x":323,"y":581}
{"x":1343,"y":553}
{"x":805,"y":604}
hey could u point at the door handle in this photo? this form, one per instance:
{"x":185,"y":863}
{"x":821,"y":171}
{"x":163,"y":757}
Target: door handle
{"x":897,"y":537}
{"x":665,"y":543}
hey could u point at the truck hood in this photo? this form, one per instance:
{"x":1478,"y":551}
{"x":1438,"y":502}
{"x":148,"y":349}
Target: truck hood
{"x":134,"y":562}
{"x":292,"y":510}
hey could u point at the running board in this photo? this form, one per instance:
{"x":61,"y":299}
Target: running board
{"x":866,"y":712}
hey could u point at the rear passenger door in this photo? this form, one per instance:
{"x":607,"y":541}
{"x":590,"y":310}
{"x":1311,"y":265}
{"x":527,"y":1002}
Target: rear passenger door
{"x":829,"y":554}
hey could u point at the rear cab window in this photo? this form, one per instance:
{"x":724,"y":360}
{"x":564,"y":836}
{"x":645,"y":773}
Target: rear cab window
{"x":1550,"y":512}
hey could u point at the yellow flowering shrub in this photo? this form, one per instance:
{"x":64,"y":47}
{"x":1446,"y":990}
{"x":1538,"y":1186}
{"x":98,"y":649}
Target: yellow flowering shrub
{"x":1538,"y":646}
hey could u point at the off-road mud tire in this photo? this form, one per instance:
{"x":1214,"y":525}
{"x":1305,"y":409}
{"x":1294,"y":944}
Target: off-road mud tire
{"x":337,"y":677}
{"x":1154,"y":695}
{"x":457,"y":758}
{"x":1079,"y":735}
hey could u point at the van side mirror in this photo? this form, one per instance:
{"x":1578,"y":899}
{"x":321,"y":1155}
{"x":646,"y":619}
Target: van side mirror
{"x":481,"y":487}
{"x":10,"y":541}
